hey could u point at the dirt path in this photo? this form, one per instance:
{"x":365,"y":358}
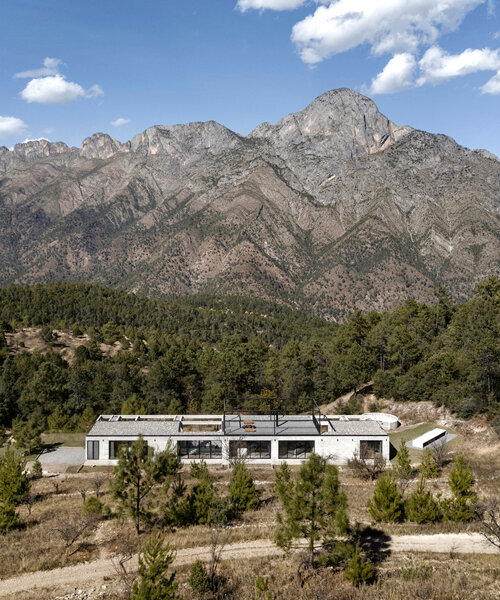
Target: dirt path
{"x":92,"y":574}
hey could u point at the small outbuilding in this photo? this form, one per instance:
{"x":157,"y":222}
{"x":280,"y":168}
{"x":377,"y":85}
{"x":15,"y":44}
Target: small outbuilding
{"x":429,"y":438}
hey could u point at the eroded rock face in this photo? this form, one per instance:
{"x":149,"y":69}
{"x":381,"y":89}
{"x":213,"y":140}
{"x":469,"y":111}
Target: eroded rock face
{"x":331,"y":208}
{"x":103,"y":146}
{"x":29,"y":152}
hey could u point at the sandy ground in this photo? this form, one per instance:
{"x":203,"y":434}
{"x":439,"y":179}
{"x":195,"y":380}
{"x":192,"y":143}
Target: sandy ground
{"x":93,"y":573}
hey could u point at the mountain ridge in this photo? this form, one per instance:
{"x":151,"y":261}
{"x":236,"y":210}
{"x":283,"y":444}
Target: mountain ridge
{"x":331,"y":208}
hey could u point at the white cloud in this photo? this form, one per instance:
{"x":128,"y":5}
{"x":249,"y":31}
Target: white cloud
{"x":386,"y":25}
{"x":492,"y":86}
{"x":10,"y":126}
{"x":55,"y":89}
{"x":119,"y":122}
{"x":245,"y":5}
{"x":437,"y":66}
{"x":50,"y":67}
{"x":397,"y":75}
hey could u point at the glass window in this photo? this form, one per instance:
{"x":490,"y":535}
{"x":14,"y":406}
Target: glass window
{"x":259,"y":449}
{"x":301,"y":449}
{"x":193,"y":449}
{"x":370,"y":448}
{"x":93,"y":450}
{"x":116,"y":447}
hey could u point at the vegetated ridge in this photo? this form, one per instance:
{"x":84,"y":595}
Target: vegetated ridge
{"x":130,"y":354}
{"x":332,"y":208}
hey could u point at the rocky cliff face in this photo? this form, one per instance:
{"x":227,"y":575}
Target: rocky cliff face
{"x":331,"y":208}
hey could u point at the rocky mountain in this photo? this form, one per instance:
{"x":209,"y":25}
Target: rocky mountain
{"x":331,"y":208}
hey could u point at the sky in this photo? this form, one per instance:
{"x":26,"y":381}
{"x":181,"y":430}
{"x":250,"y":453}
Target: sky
{"x":70,"y":68}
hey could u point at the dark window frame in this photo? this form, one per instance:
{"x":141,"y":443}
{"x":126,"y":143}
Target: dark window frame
{"x":193,"y":449}
{"x":93,"y":449}
{"x":370,"y":449}
{"x":297,"y":449}
{"x":114,"y":452}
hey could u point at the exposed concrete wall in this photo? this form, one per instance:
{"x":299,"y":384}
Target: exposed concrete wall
{"x":338,"y":449}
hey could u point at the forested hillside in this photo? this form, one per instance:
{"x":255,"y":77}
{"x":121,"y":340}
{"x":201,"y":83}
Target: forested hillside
{"x":187,"y":355}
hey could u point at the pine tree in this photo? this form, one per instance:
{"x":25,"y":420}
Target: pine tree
{"x":461,"y":506}
{"x":198,"y":579}
{"x":421,"y":507}
{"x":14,"y":485}
{"x":139,"y":474}
{"x":387,"y":502}
{"x":242,"y":492}
{"x":154,"y":561}
{"x":359,"y":570}
{"x":317,"y":508}
{"x":428,"y":467}
{"x":402,"y":462}
{"x":202,"y":494}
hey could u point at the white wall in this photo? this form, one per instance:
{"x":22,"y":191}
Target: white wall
{"x":338,"y":449}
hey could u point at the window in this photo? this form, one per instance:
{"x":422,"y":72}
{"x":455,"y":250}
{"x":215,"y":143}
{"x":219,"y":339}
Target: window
{"x":116,"y":447}
{"x":93,"y":450}
{"x":370,"y":449}
{"x":257,"y":449}
{"x":199,"y":449}
{"x":296,"y":449}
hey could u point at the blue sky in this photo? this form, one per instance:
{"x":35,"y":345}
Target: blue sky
{"x":70,"y":68}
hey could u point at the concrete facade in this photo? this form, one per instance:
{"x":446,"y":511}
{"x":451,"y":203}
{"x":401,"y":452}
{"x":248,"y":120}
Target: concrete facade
{"x":259,"y":439}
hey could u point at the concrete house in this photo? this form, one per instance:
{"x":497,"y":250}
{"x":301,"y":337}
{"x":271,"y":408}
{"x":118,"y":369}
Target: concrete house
{"x":269,"y":438}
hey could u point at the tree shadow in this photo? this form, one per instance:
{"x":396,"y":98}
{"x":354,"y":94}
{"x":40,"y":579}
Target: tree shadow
{"x":51,"y":447}
{"x":374,"y":542}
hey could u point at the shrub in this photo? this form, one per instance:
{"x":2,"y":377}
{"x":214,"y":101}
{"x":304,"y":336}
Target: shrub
{"x":93,"y":506}
{"x":387,"y":503}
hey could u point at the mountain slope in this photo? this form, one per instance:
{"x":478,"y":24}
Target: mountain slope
{"x":331,"y":208}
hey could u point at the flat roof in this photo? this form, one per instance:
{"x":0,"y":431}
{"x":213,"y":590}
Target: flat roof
{"x":236,"y":425}
{"x":429,"y":436}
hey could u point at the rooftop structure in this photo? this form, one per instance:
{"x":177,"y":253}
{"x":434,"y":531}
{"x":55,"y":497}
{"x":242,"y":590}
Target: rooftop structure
{"x":429,"y":438}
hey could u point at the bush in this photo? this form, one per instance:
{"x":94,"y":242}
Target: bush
{"x":359,"y":570}
{"x":242,"y":491}
{"x":387,"y":503}
{"x":93,"y":506}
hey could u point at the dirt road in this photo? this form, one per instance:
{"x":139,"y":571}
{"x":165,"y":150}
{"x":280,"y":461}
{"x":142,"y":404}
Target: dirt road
{"x":92,"y":573}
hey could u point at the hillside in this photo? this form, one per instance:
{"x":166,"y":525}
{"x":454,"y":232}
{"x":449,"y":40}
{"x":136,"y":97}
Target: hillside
{"x":70,"y":351}
{"x":332,"y":208}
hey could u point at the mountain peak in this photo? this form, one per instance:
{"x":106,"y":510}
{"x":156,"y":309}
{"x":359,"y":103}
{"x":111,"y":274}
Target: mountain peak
{"x":102,"y":145}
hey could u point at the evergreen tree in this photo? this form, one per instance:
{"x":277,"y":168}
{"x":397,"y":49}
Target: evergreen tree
{"x":317,"y":508}
{"x":387,"y":502}
{"x":428,"y":467}
{"x":14,"y":485}
{"x":203,"y":494}
{"x":198,"y":579}
{"x":242,"y":491}
{"x":154,"y":561}
{"x":27,"y":434}
{"x":36,"y":469}
{"x":139,"y":474}
{"x":359,"y":570}
{"x":461,"y":506}
{"x":421,"y":507}
{"x":402,"y":462}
